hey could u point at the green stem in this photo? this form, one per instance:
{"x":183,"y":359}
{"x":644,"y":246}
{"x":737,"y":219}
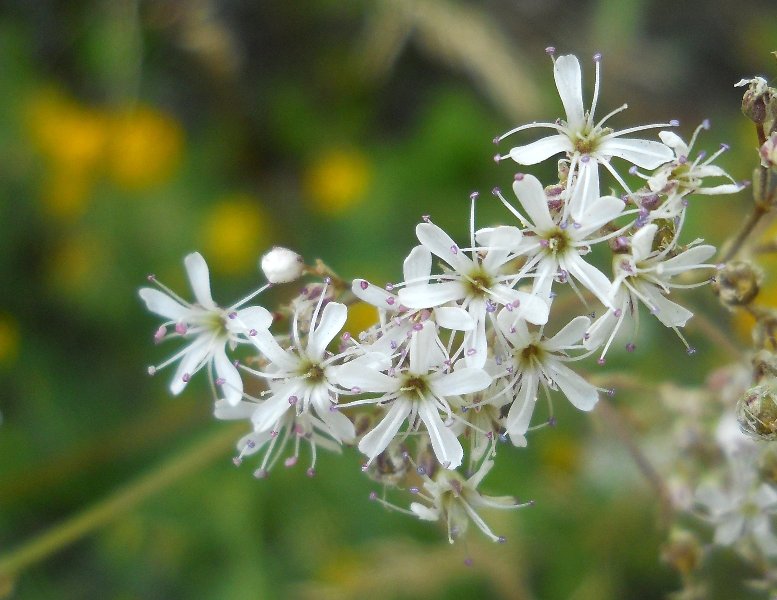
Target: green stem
{"x":74,"y":528}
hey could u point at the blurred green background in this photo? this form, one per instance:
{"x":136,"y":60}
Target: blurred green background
{"x":134,"y":132}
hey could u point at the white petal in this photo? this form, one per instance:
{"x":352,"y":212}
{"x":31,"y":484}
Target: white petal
{"x":337,"y":423}
{"x":514,"y":328}
{"x":589,"y":277}
{"x":424,"y":512}
{"x":453,"y":317}
{"x":333,"y":318}
{"x":191,"y":362}
{"x":271,"y":410}
{"x":691,"y":258}
{"x":442,"y":245}
{"x":647,"y":154}
{"x":375,"y":295}
{"x":445,"y":444}
{"x":642,"y":242}
{"x":251,"y":317}
{"x":666,"y":311}
{"x":425,"y":352}
{"x":268,"y":346}
{"x":532,"y":197}
{"x":675,"y":142}
{"x":504,"y":241}
{"x":460,"y":381}
{"x":432,"y":295}
{"x":475,"y":343}
{"x":580,"y":393}
{"x":729,"y":530}
{"x":377,"y":440}
{"x":541,"y":150}
{"x":519,"y":417}
{"x":199,"y":279}
{"x":585,"y":189}
{"x":532,"y":308}
{"x":566,"y":72}
{"x":418,"y":264}
{"x":224,"y":411}
{"x":232,"y":388}
{"x":597,"y":213}
{"x":356,"y":375}
{"x":571,"y":334}
{"x":163,"y":305}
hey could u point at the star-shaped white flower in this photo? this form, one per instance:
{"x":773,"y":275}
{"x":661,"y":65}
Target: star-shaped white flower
{"x":476,"y":283}
{"x":579,"y":136}
{"x":418,"y":390}
{"x":301,"y":375}
{"x":556,"y":243}
{"x":208,"y":329}
{"x":533,"y":360}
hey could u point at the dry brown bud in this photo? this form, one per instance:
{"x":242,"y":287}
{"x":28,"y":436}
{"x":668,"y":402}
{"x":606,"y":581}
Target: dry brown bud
{"x":757,"y":412}
{"x":738,"y":283}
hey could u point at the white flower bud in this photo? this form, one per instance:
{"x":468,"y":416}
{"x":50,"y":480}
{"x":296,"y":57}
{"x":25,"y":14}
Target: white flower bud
{"x":281,"y":265}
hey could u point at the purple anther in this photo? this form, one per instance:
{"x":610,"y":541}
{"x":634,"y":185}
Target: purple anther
{"x":519,"y":176}
{"x":290,"y":462}
{"x":585,"y":158}
{"x":311,"y":472}
{"x":418,"y":326}
{"x":497,"y":158}
{"x":232,"y":315}
{"x":186,"y":377}
{"x":413,"y":490}
{"x":389,"y":287}
{"x":292,"y":401}
{"x":600,"y":361}
{"x":577,"y":225}
{"x":363,"y":284}
{"x":365,"y":466}
{"x":618,"y":313}
{"x":273,"y":434}
{"x":237,"y":461}
{"x":544,"y":243}
{"x":373,"y":496}
{"x":391,"y":300}
{"x":551,"y":50}
{"x":181,"y":328}
{"x":252,"y":332}
{"x":501,"y":539}
{"x":455,"y":249}
{"x":474,"y":195}
{"x":674,"y":123}
{"x":236,"y":363}
{"x":496,"y":191}
{"x":151,"y":277}
{"x":610,"y":392}
{"x":633,"y":170}
{"x":471,"y":352}
{"x":468,"y":562}
{"x":425,"y":218}
{"x":261,"y":473}
{"x":160,"y":334}
{"x":356,"y":389}
{"x":597,"y":57}
{"x":691,"y":350}
{"x":630,"y":347}
{"x":251,"y":444}
{"x":725,"y":146}
{"x":346,"y":336}
{"x":151,"y":371}
{"x":220,"y":381}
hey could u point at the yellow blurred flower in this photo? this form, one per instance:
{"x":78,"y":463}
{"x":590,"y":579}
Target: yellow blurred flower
{"x":235,"y":233}
{"x":361,"y":316}
{"x":145,"y":147}
{"x":9,"y":339}
{"x":337,"y":180}
{"x":65,"y":192}
{"x":66,"y":134}
{"x":76,"y":265}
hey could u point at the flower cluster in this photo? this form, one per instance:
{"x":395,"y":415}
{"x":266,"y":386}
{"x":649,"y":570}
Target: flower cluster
{"x":461,"y":352}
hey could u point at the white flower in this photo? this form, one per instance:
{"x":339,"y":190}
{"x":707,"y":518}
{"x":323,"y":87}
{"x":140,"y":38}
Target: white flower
{"x":742,"y":510}
{"x":304,"y":427}
{"x":301,"y":374}
{"x":476,"y":282}
{"x":645,"y":275}
{"x":556,"y":243}
{"x":683,"y":176}
{"x":580,"y":136}
{"x":455,"y":501}
{"x":533,"y":360}
{"x":281,"y":265}
{"x":206,"y":327}
{"x":419,"y":390}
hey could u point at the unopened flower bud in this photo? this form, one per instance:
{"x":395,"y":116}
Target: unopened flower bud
{"x":682,"y":551}
{"x":768,"y":152}
{"x":757,"y":412}
{"x":281,"y":265}
{"x":756,"y":99}
{"x":738,"y":283}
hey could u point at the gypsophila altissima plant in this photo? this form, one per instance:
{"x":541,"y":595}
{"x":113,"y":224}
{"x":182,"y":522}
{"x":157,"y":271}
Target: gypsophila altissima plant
{"x":470,"y":340}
